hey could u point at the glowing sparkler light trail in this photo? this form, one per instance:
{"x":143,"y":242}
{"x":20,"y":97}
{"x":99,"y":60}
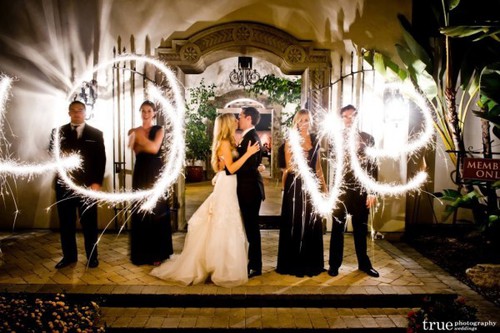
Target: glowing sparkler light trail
{"x":175,"y":154}
{"x":14,"y":168}
{"x":425,"y":136}
{"x":322,"y":203}
{"x":20,"y":169}
{"x":5,"y":84}
{"x":368,"y":182}
{"x":173,"y":168}
{"x":330,"y":128}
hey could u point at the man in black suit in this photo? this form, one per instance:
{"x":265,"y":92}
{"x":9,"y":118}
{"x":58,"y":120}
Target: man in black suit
{"x":87,"y":141}
{"x":356,"y":202}
{"x":250,"y":189}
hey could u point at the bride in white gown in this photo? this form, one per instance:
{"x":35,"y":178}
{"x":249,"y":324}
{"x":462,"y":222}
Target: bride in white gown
{"x":215,"y":244}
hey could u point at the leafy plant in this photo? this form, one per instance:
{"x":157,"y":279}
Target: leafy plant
{"x":452,"y":74}
{"x":485,"y":42}
{"x":424,"y":65}
{"x":444,"y":69}
{"x":200,"y":114}
{"x":486,"y":218}
{"x":472,"y":200}
{"x":490,"y":99}
{"x":432,"y":310}
{"x":201,"y":98}
{"x":280,"y":91}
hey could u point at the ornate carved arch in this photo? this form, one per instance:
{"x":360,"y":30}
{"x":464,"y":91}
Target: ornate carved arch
{"x":294,"y":57}
{"x":194,"y":54}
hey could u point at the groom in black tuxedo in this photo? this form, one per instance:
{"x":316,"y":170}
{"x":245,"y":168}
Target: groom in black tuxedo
{"x":87,"y":141}
{"x":250,"y":188}
{"x":355,"y":201}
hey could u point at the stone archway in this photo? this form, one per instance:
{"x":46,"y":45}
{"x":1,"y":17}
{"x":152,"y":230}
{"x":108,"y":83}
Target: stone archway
{"x":294,"y":57}
{"x":193,"y":54}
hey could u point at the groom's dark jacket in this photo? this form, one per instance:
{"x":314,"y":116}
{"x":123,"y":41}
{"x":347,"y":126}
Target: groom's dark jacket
{"x":90,"y":147}
{"x":250,"y":183}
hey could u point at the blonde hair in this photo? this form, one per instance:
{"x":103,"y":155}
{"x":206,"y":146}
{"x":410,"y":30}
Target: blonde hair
{"x":300,"y":113}
{"x":224,"y":128}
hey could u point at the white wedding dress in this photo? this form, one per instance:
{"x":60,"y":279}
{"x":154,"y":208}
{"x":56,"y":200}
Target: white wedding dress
{"x":215,"y":244}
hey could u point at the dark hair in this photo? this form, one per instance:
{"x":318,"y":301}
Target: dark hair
{"x":347,"y":108}
{"x":77,"y":102}
{"x":253,"y":113}
{"x":149,"y":103}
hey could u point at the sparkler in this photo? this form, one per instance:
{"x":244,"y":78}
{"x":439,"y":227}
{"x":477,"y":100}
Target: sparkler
{"x":371,"y":184}
{"x":174,"y":113}
{"x":323,"y":203}
{"x":14,"y":168}
{"x":330,"y":128}
{"x":5,"y":84}
{"x":392,"y":189}
{"x":425,"y":136}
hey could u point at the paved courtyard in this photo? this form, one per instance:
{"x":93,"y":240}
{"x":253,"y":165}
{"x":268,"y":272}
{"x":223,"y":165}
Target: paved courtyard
{"x":29,"y":258}
{"x":135,"y":301}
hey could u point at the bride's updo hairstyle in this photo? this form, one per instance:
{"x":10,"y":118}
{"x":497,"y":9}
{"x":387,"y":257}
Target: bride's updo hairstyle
{"x":224,"y":128}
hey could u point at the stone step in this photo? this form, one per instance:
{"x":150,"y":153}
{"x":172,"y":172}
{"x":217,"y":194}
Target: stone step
{"x":218,"y":297}
{"x":258,"y":319}
{"x":268,"y":300}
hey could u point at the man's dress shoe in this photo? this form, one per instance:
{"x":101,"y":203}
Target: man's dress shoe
{"x":253,"y":272}
{"x":333,"y":271}
{"x":93,"y":263}
{"x":64,"y":262}
{"x":370,"y":271}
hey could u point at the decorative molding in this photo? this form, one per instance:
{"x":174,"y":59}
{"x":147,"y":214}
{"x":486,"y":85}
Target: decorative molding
{"x":194,"y":54}
{"x":190,"y":53}
{"x":318,"y":98}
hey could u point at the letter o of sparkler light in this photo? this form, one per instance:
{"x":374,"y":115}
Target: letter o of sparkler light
{"x":174,"y":112}
{"x":19,"y":169}
{"x":424,"y":138}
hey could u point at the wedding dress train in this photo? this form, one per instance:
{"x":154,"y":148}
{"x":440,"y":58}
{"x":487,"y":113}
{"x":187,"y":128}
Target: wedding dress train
{"x":215,"y":244}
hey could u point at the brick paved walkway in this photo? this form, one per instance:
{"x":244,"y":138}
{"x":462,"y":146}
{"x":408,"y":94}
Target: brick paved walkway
{"x":29,"y":259}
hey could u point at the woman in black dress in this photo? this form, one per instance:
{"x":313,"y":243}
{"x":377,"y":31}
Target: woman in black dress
{"x":151,"y":233}
{"x":300,"y":249}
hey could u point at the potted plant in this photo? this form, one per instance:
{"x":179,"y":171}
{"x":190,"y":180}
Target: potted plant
{"x":200,"y":114}
{"x":197,"y":146}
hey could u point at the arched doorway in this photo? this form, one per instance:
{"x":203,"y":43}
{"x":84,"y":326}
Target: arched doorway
{"x":294,"y":57}
{"x":193,"y":54}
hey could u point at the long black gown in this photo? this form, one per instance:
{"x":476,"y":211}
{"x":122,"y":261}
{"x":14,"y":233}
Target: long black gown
{"x":300,"y":249}
{"x":151,"y":233}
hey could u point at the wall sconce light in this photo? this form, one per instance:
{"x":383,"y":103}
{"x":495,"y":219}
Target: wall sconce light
{"x":244,"y":76}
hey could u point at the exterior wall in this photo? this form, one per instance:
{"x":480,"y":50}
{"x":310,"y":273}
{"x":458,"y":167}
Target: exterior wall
{"x":472,"y":140}
{"x":46,"y":53}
